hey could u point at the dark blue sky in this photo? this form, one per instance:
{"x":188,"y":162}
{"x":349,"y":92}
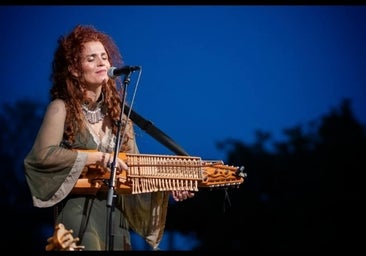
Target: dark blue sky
{"x":208,"y":72}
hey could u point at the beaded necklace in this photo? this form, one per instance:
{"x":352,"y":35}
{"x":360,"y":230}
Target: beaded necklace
{"x":96,"y":115}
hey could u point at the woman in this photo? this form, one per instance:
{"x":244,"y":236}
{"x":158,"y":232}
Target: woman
{"x":82,"y":115}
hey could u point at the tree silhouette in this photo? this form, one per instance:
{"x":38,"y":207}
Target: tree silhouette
{"x":27,"y":225}
{"x":303,"y":197}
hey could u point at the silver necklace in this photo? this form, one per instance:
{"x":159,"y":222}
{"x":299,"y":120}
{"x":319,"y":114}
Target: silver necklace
{"x":96,"y":115}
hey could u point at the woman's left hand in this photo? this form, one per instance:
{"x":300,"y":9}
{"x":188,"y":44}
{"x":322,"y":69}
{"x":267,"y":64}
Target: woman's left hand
{"x":180,"y":195}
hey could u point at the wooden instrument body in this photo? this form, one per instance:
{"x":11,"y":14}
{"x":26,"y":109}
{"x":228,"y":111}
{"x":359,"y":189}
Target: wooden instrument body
{"x":150,"y":173}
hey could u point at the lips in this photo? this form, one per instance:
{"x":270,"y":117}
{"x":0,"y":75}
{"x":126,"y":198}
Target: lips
{"x":103,"y":71}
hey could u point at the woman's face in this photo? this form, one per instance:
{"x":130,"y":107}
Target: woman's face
{"x":94,"y":64}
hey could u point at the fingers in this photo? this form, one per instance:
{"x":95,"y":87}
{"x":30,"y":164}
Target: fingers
{"x":108,"y":158}
{"x":179,"y":195}
{"x":122,"y":164}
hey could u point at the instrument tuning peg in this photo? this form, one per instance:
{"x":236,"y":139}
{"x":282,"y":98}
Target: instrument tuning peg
{"x":240,"y":172}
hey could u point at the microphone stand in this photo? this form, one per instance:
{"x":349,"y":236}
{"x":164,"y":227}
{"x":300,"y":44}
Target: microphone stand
{"x":111,"y":184}
{"x":148,"y":127}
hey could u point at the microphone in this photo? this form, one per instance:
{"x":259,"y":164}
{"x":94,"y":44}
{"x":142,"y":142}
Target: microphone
{"x":113,"y":72}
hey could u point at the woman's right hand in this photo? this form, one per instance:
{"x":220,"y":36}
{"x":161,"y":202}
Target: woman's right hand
{"x":120,"y":164}
{"x":105,"y":160}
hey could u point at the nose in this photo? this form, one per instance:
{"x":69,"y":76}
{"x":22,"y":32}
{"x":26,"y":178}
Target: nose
{"x":101,"y":61}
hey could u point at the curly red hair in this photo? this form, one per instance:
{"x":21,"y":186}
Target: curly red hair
{"x":67,"y":87}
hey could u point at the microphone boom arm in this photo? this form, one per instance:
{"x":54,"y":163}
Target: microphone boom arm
{"x":155,"y":132}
